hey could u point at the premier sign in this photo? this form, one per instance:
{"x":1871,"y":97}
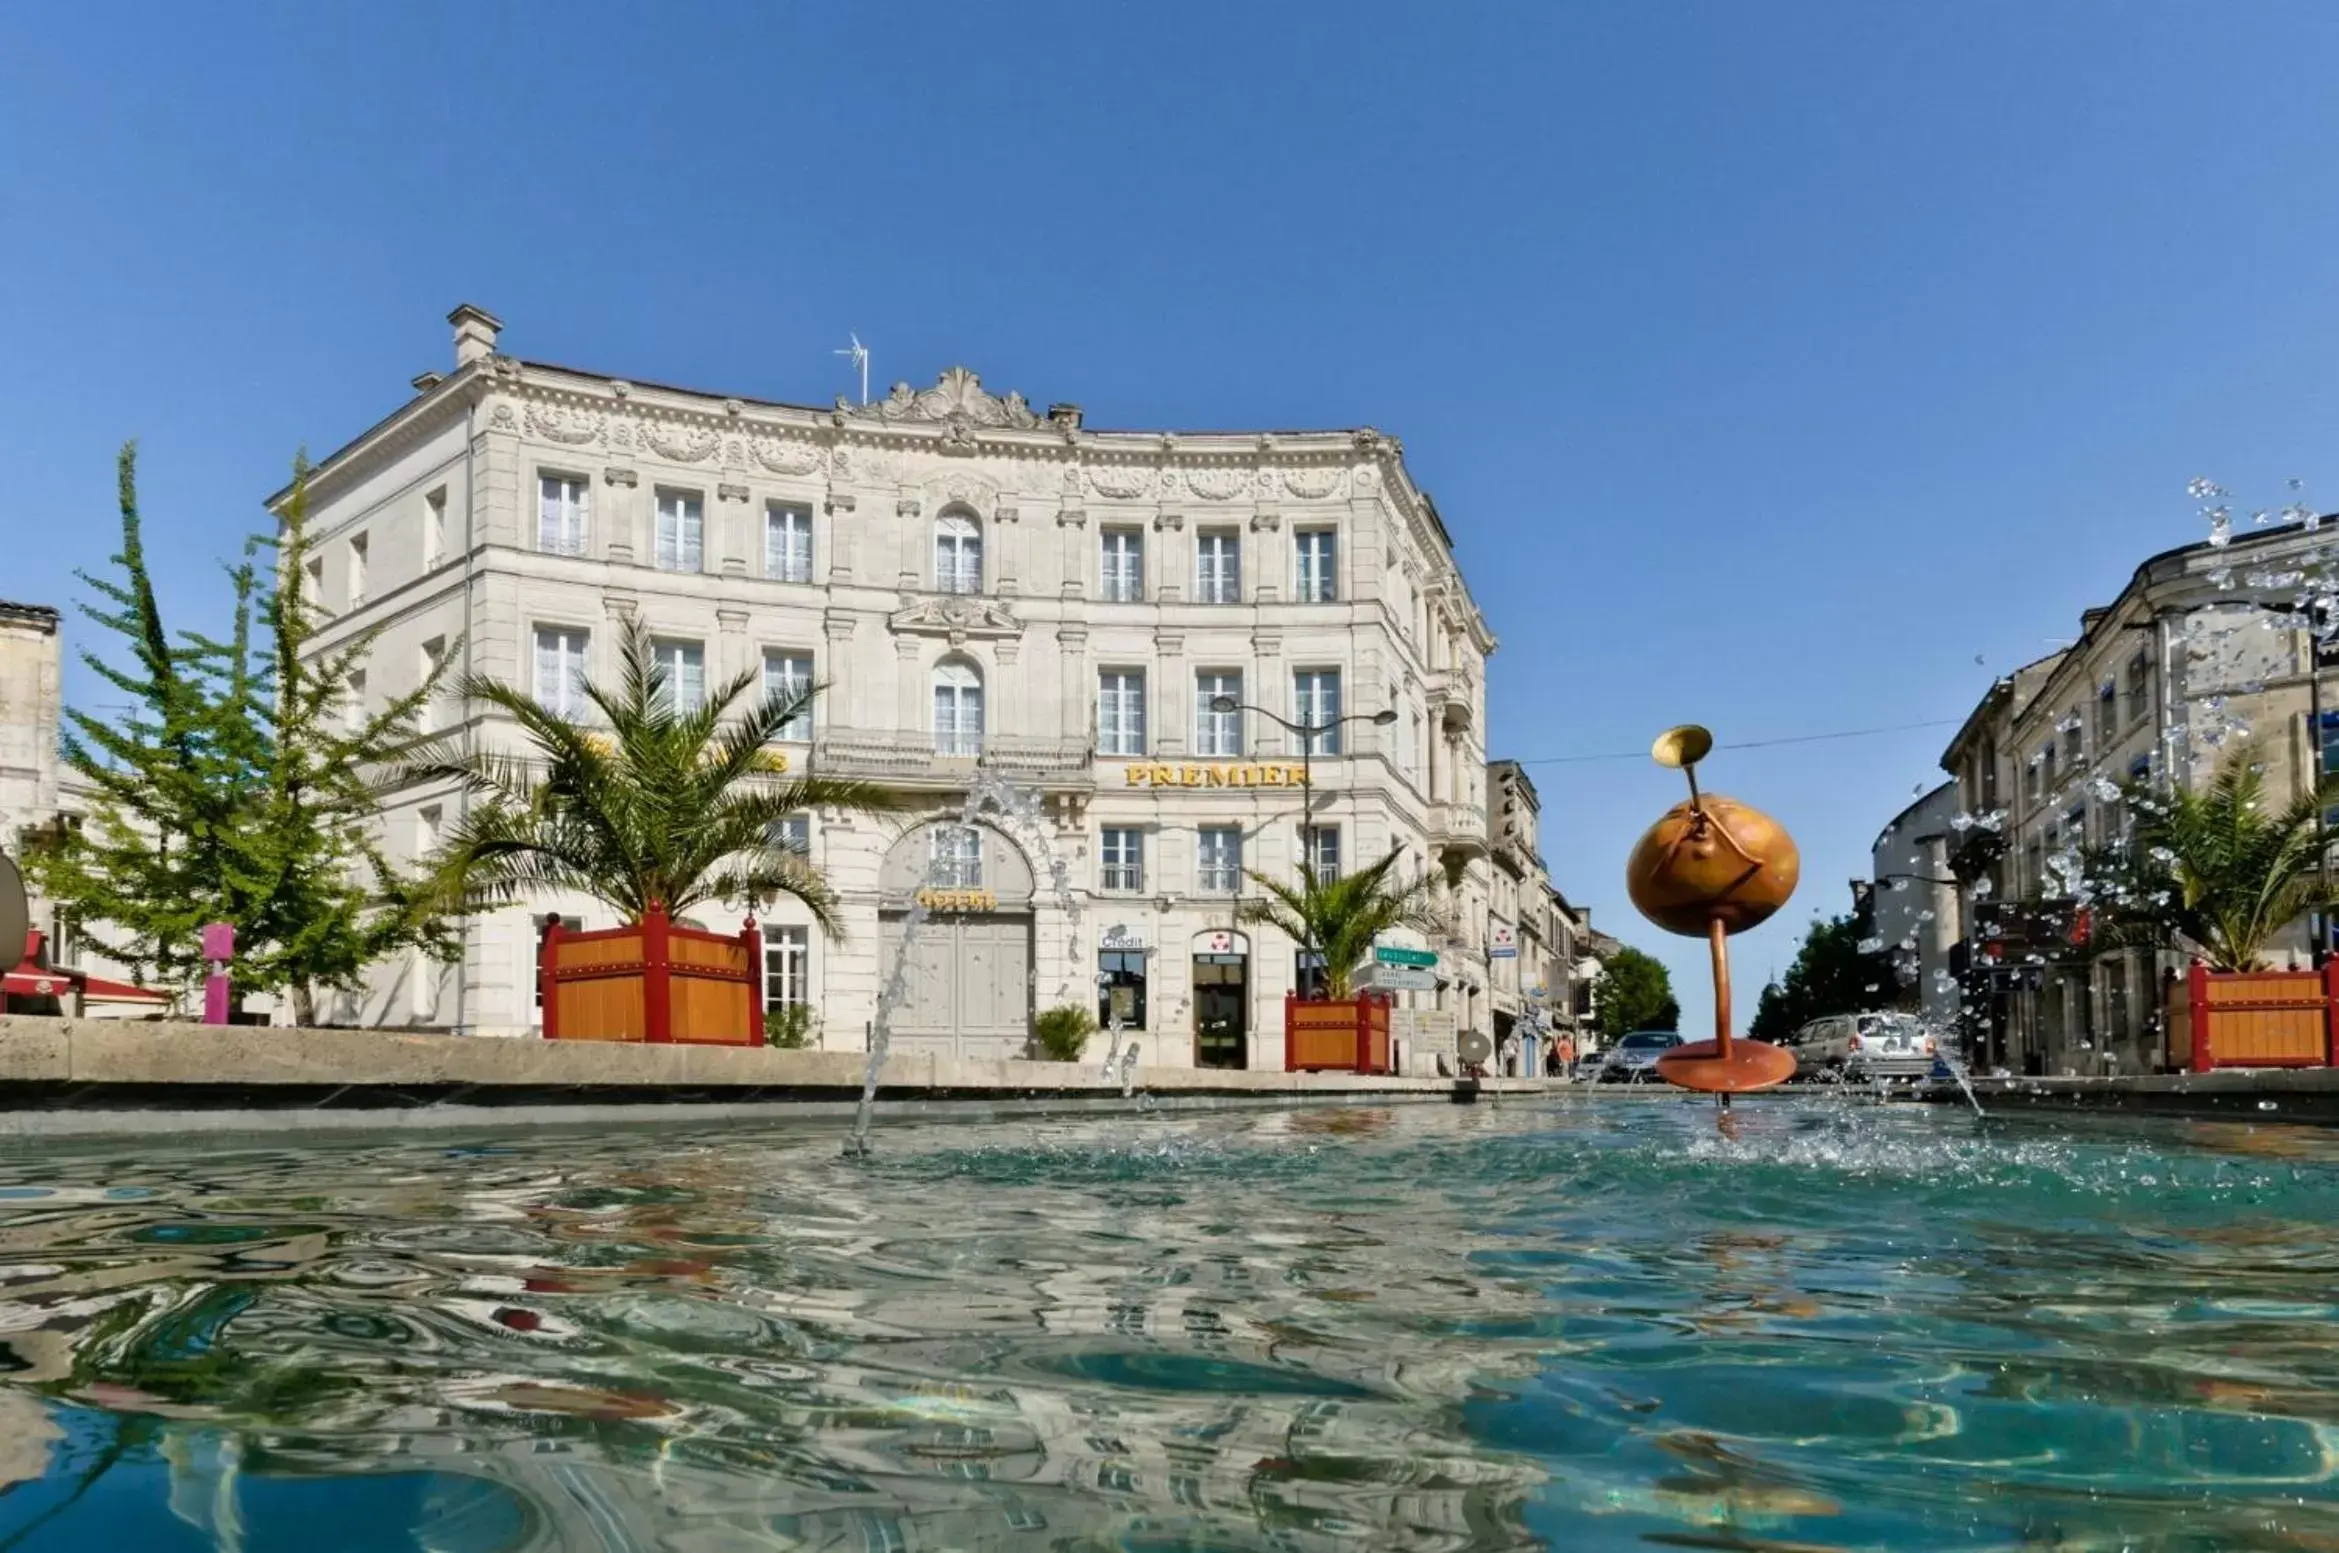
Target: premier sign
{"x":1221,"y":775}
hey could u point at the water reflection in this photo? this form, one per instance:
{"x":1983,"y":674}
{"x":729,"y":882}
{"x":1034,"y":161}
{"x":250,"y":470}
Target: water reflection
{"x":1586,"y":1325}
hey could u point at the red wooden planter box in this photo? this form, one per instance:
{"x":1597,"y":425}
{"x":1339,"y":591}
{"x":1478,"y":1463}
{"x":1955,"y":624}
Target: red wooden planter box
{"x":1344,"y":1037}
{"x":652,"y":981}
{"x":2255,"y":1019}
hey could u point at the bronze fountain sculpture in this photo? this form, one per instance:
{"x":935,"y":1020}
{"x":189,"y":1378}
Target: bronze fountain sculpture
{"x":1710,"y":867}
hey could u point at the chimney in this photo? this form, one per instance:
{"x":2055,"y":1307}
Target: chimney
{"x":475,"y":332}
{"x":1064,"y":415}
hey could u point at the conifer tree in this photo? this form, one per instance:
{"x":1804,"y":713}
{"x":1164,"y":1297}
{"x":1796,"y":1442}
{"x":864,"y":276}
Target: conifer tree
{"x":241,"y":787}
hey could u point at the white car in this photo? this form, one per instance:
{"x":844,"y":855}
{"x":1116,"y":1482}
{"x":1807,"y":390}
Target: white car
{"x":1878,"y":1045}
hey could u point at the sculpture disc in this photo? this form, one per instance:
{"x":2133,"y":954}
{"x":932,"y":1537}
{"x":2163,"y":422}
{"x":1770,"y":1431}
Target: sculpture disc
{"x":1751,"y":1065}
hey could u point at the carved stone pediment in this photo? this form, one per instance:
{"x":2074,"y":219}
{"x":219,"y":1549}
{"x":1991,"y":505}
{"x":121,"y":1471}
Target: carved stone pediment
{"x":960,"y":618}
{"x":956,"y":401}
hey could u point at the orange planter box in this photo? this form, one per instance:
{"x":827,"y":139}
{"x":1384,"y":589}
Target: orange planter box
{"x":2257,"y":1019}
{"x":652,"y":982}
{"x":1345,"y":1037}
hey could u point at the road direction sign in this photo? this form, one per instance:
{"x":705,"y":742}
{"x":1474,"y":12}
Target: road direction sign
{"x":1403,"y":978}
{"x":1385,"y":955}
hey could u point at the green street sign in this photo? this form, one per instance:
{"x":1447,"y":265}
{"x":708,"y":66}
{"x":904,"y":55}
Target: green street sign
{"x":1387,"y":956}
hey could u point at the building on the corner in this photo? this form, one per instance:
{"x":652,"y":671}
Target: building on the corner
{"x":1912,"y":900}
{"x":982,"y":587}
{"x":31,"y":711}
{"x":2204,"y":650}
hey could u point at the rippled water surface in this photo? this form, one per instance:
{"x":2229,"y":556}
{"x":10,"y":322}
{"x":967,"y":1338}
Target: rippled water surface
{"x":1578,"y":1324}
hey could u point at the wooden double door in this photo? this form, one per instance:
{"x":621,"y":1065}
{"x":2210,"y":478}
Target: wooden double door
{"x":969,"y":986}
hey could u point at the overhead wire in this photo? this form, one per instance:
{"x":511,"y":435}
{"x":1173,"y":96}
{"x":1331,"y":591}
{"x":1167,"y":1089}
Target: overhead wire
{"x":1757,"y":744}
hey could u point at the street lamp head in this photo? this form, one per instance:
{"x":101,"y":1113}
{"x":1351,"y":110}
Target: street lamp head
{"x":1385,"y":716}
{"x":1225,"y":704}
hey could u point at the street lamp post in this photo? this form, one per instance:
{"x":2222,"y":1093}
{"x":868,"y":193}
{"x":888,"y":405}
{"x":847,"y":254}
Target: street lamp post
{"x":1308,"y":734}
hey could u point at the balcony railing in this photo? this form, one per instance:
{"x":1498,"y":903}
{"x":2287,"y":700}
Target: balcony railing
{"x":1458,"y":827}
{"x":887,"y":754}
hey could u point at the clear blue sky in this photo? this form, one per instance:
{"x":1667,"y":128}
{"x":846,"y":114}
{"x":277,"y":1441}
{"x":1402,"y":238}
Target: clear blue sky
{"x":1771,"y":363}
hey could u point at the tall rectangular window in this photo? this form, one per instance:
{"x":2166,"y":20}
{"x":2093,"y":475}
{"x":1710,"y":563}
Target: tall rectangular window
{"x":560,"y":671}
{"x":353,"y":703}
{"x":2139,"y":682}
{"x":682,"y":532}
{"x":1323,"y":852}
{"x":791,"y":833}
{"x":1316,"y":572}
{"x":1218,"y":733}
{"x":2107,"y":715}
{"x":958,"y":710}
{"x":787,"y":676}
{"x":434,"y":528}
{"x":1120,"y":712}
{"x":1218,"y":567}
{"x":957,"y":860}
{"x":787,"y":966}
{"x":1121,"y":564}
{"x":357,"y":570}
{"x":1124,"y":859}
{"x":2330,"y":743}
{"x":787,"y":543}
{"x":958,"y":555}
{"x":429,"y":822}
{"x":1315,"y":703}
{"x":685,"y":666}
{"x":1219,"y":858}
{"x":561,"y":514}
{"x":434,"y":658}
{"x":2074,"y":741}
{"x":316,"y":570}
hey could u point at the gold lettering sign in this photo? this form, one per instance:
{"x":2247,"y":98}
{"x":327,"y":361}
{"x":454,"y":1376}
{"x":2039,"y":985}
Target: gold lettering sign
{"x":959,"y":900}
{"x":1256,"y":775}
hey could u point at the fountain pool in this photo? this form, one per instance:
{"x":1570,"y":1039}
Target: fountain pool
{"x":1581,"y":1324}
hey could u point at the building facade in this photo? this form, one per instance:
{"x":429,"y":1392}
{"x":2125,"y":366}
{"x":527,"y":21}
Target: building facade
{"x":1914,"y":908}
{"x":2208,"y":649}
{"x":1100,"y":628}
{"x":31,"y":708}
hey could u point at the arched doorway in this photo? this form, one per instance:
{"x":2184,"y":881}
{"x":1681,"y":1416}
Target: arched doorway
{"x":1222,"y":999}
{"x":968,"y":991}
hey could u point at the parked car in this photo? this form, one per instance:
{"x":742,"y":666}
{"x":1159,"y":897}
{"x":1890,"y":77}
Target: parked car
{"x":1634,"y":1058}
{"x":1877,"y":1045}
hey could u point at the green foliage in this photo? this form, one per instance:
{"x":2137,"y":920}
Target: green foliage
{"x":1340,"y":918}
{"x":1063,"y":1031}
{"x":657,"y":804}
{"x":1832,"y":974}
{"x":1635,"y":993}
{"x":2212,"y":872}
{"x":236,"y":788}
{"x":789,"y":1026}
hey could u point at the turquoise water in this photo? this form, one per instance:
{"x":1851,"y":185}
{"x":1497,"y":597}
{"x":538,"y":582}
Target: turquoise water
{"x":1575,"y":1325}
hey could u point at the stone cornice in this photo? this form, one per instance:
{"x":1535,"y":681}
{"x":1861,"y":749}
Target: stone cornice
{"x":623,"y":421}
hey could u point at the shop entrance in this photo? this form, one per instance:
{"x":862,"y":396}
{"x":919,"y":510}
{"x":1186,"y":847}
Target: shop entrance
{"x":1222,"y":1001}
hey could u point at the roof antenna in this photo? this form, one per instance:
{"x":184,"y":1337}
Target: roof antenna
{"x":860,"y":356}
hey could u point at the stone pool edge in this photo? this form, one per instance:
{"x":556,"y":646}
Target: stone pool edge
{"x":60,"y":1077}
{"x":2302,"y":1096}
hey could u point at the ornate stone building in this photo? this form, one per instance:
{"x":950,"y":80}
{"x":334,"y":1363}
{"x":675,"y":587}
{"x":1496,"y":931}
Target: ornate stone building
{"x":982,"y":588}
{"x":2207,"y":649}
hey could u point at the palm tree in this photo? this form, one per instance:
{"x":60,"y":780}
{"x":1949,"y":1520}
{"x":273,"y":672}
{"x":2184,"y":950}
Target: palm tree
{"x":2214,"y":871}
{"x":1339,"y":918}
{"x":663,"y":805}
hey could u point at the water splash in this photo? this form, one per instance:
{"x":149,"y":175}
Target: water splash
{"x":1017,"y":813}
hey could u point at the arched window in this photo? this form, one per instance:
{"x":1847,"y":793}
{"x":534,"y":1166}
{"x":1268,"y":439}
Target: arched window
{"x":958,"y":554}
{"x":958,"y":708}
